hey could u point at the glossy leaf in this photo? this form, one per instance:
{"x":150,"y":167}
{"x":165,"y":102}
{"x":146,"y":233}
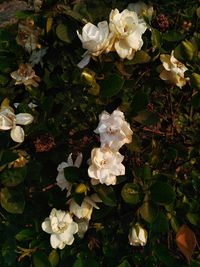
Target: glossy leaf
{"x":111,"y":86}
{"x":12,"y":200}
{"x":40,"y":259}
{"x":106,"y":194}
{"x":13,"y":177}
{"x":162,"y":193}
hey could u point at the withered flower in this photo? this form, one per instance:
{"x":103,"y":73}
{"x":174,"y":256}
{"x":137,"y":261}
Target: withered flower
{"x":25,"y":75}
{"x":28,"y":35}
{"x":44,"y":143}
{"x":21,"y":161}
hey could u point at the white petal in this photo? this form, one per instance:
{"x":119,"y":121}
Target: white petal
{"x":56,"y":242}
{"x":123,"y":49}
{"x":61,"y":166}
{"x":78,"y":160}
{"x":70,"y":161}
{"x":24,"y":118}
{"x":61,"y":181}
{"x":84,"y":61}
{"x":46,"y":226}
{"x":17,"y":134}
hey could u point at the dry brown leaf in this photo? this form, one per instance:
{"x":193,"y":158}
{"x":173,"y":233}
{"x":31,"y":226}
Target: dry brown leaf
{"x":186,"y":241}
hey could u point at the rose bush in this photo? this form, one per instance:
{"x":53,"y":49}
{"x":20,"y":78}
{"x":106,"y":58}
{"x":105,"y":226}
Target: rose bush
{"x":106,"y":169}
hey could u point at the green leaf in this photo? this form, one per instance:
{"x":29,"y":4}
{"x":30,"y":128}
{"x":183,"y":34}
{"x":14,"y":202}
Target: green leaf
{"x":149,"y":211}
{"x":24,"y":235}
{"x":111,"y":86}
{"x":196,"y":100}
{"x":13,"y":177}
{"x":66,"y":32}
{"x":195,"y":263}
{"x":188,"y":50}
{"x":173,"y":36}
{"x":8,"y":252}
{"x":193,"y":218}
{"x":125,"y":263}
{"x":91,"y":262}
{"x":195,"y":80}
{"x":146,"y":173}
{"x":160,"y":225}
{"x":106,"y":194}
{"x":156,"y":38}
{"x":140,"y":101}
{"x":162,"y":193}
{"x":164,"y":255}
{"x":12,"y":200}
{"x":24,"y":14}
{"x":40,"y":259}
{"x":140,"y":57}
{"x":78,"y":263}
{"x":72,"y":174}
{"x":131,"y":193}
{"x":54,"y":258}
{"x":135,"y":145}
{"x":7,"y":157}
{"x":146,"y":117}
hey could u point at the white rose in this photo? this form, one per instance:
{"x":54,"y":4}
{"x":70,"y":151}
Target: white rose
{"x":95,"y":39}
{"x":85,"y":210}
{"x":9,"y":121}
{"x":60,"y":179}
{"x":127,"y":30}
{"x":172,"y":70}
{"x":138,"y":236}
{"x":61,"y":227}
{"x":106,"y":165}
{"x":114,"y":130}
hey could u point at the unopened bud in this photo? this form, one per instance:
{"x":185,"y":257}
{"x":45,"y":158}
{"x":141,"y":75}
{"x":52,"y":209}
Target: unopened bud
{"x":81,"y":188}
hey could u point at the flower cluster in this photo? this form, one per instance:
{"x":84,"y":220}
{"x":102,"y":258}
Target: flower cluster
{"x":63,"y":233}
{"x":106,"y":165}
{"x":123,"y":33}
{"x":106,"y":161}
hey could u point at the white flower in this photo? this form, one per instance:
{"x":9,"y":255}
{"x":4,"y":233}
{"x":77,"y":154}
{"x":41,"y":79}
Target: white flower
{"x":172,"y":70}
{"x":60,"y":179}
{"x":95,"y":39}
{"x":138,"y":236}
{"x":85,"y":210}
{"x":127,"y":30}
{"x":9,"y":121}
{"x":114,"y":130}
{"x":141,"y":9}
{"x":106,"y":165}
{"x":61,"y":227}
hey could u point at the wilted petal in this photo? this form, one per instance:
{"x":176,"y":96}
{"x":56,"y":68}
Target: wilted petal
{"x":24,"y":118}
{"x":17,"y":134}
